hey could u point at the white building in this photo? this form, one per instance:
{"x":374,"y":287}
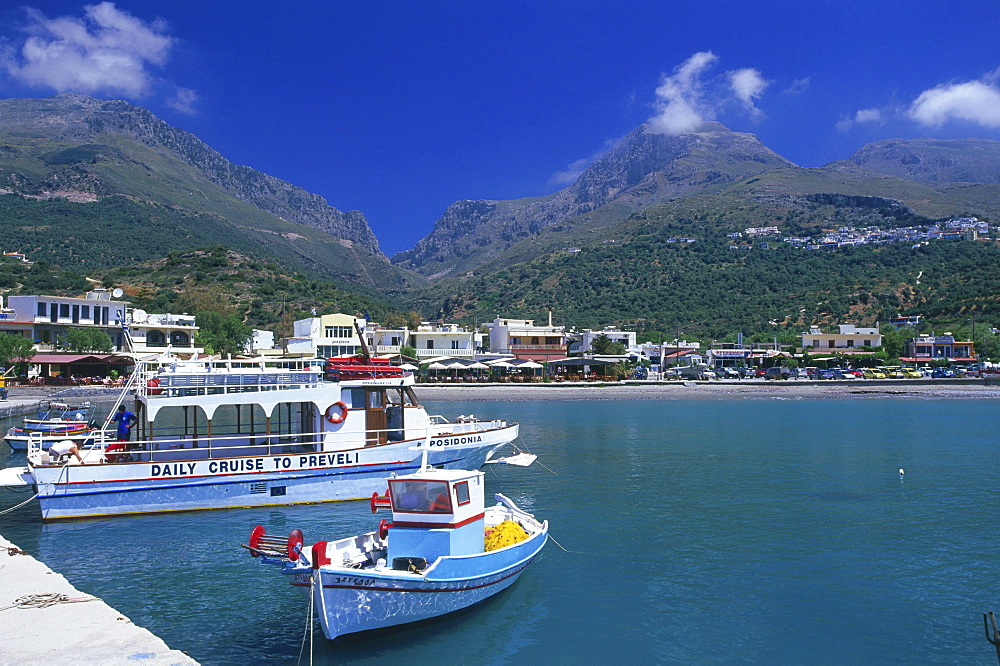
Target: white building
{"x":849,"y":339}
{"x":432,"y":340}
{"x":326,"y":336}
{"x":153,"y":333}
{"x":45,"y":319}
{"x":581,"y":342}
{"x":523,"y":339}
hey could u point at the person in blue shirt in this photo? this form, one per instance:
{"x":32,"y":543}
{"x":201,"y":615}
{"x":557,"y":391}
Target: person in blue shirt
{"x":126,"y":420}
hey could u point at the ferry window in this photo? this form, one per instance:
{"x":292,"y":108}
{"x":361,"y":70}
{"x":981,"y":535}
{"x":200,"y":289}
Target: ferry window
{"x":462,"y":493}
{"x":375,"y":399}
{"x":357,"y":398}
{"x":420,"y":496}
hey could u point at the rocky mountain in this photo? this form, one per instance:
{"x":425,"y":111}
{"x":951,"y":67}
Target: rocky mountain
{"x":643,"y":169}
{"x":79,"y":171}
{"x":933,"y":160}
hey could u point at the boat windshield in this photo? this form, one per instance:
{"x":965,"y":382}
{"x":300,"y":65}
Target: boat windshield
{"x":420,"y":496}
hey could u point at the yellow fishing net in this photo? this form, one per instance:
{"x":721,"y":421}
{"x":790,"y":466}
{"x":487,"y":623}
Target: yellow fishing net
{"x":506,"y":533}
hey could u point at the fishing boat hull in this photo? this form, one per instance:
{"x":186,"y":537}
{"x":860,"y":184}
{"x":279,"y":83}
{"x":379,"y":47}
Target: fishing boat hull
{"x":281,"y":477}
{"x":349,"y":601}
{"x":18,"y":438}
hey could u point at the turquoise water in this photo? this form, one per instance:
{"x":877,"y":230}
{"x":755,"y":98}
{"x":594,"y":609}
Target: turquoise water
{"x":764,"y":530}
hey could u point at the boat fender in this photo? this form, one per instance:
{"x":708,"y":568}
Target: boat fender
{"x":255,"y":537}
{"x":383,"y":528}
{"x":294,"y":539}
{"x":319,"y":557}
{"x":409,"y":564}
{"x":153,"y":386}
{"x":334,"y":417}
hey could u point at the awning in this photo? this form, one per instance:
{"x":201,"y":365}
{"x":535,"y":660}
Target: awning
{"x":573,"y":362}
{"x":93,"y":359}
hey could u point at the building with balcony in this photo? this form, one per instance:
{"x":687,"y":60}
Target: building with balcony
{"x":923,"y":349}
{"x":581,"y":342}
{"x":326,"y":336}
{"x":849,"y":339}
{"x":45,"y":319}
{"x":155,"y":333}
{"x":431,"y":340}
{"x":521,"y":338}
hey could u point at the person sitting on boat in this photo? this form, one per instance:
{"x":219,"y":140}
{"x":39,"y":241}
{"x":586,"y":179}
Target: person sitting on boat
{"x":65,"y":448}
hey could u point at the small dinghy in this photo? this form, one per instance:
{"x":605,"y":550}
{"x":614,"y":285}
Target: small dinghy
{"x":441,"y":541}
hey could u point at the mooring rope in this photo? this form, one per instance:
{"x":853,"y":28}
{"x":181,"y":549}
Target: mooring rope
{"x":309,"y":623}
{"x":45,"y":600}
{"x":18,"y":506}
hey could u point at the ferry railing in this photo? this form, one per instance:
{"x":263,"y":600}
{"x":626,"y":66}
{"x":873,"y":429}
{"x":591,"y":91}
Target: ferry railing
{"x":231,"y":445}
{"x":192,"y":385}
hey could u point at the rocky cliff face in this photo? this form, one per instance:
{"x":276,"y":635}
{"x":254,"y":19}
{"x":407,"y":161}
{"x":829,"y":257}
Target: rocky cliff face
{"x":641,"y":170}
{"x":79,"y":119}
{"x":933,"y":161}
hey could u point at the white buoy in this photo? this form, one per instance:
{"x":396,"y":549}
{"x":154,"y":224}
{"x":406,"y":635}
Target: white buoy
{"x":901,"y":472}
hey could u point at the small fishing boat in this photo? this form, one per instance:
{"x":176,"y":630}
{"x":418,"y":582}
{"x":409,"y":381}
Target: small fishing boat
{"x":442,"y":552}
{"x":216,"y":434}
{"x":54,"y":422}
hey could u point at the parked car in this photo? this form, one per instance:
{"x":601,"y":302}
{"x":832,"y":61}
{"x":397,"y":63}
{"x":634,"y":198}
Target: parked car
{"x":912,"y":373}
{"x":759,"y":372}
{"x":942,"y":373}
{"x":812,"y":373}
{"x":777,"y":372}
{"x":873,"y":373}
{"x":840,"y":373}
{"x":728,"y":373}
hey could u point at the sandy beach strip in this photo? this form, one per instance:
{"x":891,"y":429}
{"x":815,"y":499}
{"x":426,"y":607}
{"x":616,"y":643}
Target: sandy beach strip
{"x":715,"y":390}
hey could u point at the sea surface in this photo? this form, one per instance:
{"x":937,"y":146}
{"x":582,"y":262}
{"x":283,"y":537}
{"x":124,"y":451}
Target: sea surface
{"x":703,"y":531}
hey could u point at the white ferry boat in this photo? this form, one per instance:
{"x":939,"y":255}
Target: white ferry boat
{"x":225,"y":434}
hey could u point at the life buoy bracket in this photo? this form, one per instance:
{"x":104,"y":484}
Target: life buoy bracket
{"x":335,"y":417}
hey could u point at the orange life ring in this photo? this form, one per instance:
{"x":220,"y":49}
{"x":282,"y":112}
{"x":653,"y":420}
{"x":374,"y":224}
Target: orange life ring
{"x":337,"y":418}
{"x":153,"y":386}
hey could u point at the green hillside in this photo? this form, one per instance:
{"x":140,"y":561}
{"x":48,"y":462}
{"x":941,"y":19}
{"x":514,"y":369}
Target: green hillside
{"x":643,"y":275}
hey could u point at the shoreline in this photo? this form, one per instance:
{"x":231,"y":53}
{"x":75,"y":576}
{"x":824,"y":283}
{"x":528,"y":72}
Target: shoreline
{"x":713,"y":390}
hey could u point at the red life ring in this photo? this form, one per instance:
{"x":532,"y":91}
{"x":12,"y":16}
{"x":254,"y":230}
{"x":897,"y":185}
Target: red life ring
{"x":153,"y":386}
{"x":337,"y":418}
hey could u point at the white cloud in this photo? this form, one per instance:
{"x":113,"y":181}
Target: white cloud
{"x":748,"y":85}
{"x":106,"y":50}
{"x":183,"y":100}
{"x":573,"y":171}
{"x":798,"y":86}
{"x":871,"y":116}
{"x":973,"y":101}
{"x":688,"y":97}
{"x":678,"y":102}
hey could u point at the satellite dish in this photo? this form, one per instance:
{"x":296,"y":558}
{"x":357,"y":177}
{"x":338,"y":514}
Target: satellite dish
{"x":155,"y":320}
{"x":117,"y":293}
{"x":139,"y":316}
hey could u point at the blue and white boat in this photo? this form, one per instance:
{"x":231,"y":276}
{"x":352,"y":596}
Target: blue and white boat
{"x":441,"y":553}
{"x":54,"y":422}
{"x":262,"y":432}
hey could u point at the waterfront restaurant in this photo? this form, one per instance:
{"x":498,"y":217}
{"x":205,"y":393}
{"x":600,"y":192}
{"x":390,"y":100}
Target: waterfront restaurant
{"x":926,"y":348}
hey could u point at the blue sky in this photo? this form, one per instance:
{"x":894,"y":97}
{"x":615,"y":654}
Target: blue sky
{"x":399,"y":108}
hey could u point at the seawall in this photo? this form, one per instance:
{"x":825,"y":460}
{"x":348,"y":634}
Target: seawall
{"x":75,"y":628}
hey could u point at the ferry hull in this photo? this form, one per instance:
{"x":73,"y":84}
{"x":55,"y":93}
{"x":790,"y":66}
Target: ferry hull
{"x":84,"y":491}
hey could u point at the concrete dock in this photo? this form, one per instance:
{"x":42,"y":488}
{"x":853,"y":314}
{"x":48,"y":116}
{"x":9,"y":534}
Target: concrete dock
{"x":76,"y":628}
